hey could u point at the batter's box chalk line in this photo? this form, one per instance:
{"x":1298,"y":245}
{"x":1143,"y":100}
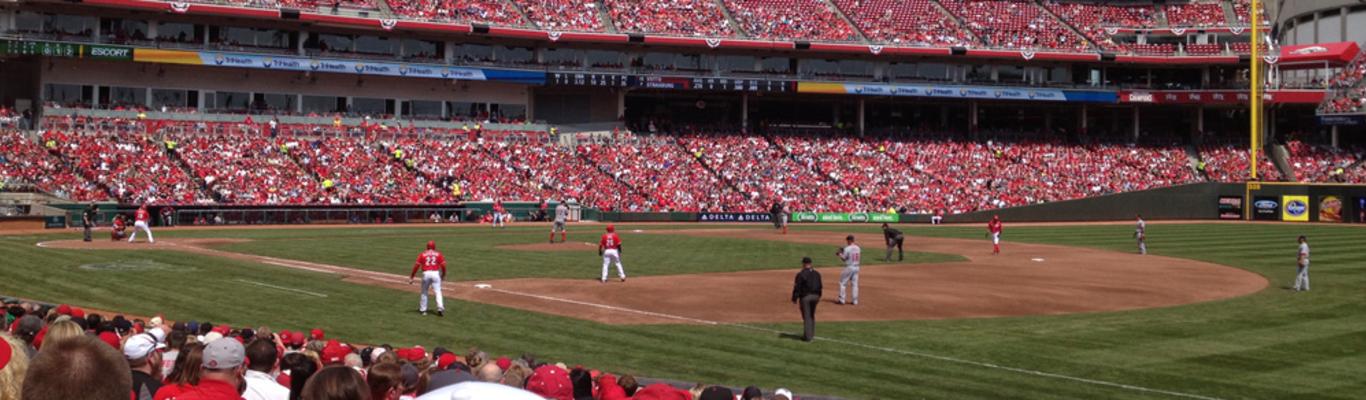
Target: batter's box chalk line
{"x":1036,"y":259}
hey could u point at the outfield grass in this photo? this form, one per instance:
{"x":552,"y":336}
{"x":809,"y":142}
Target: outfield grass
{"x":1273,"y":344}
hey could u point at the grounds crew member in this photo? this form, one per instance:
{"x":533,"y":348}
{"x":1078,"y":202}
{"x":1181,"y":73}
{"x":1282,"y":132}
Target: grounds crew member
{"x":806,"y":293}
{"x":894,"y":239}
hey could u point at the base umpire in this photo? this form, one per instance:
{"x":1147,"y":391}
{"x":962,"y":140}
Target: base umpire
{"x":806,"y":293}
{"x":894,"y":239}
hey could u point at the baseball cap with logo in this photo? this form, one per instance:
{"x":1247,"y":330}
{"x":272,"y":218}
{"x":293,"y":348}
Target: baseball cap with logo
{"x":6,"y":352}
{"x":224,"y":353}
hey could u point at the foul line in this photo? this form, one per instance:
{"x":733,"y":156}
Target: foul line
{"x":871,"y":347}
{"x":282,"y":288}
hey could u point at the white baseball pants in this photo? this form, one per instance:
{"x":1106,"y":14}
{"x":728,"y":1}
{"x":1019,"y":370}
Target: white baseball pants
{"x":612,"y":256}
{"x":431,"y":279}
{"x":141,"y":225}
{"x":849,"y":275}
{"x":1302,"y":277}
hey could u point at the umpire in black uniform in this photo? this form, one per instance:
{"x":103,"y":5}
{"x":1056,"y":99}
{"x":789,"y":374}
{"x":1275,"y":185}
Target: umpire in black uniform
{"x":806,"y":292}
{"x":894,"y":239}
{"x":88,"y":219}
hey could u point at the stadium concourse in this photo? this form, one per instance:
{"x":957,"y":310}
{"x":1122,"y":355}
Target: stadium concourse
{"x":175,"y":163}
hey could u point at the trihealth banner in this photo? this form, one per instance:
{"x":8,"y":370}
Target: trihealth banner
{"x":1296,"y":208}
{"x":958,"y":92}
{"x":845,"y":217}
{"x":304,"y":64}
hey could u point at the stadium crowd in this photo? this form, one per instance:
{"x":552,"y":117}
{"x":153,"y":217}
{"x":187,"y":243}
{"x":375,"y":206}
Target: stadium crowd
{"x":1015,"y":24}
{"x":1093,"y":18}
{"x":1195,"y":14}
{"x":905,"y":22}
{"x":790,"y":19}
{"x":65,"y":352}
{"x":251,"y":163}
{"x":671,"y":17}
{"x":480,"y":11}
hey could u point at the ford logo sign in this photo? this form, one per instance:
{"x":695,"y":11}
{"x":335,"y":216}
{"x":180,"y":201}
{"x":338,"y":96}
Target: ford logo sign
{"x":1296,"y":207}
{"x":1265,"y":204}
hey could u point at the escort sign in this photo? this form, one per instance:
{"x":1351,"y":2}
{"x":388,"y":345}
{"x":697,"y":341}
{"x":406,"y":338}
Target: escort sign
{"x":734,"y":217}
{"x":845,"y":217}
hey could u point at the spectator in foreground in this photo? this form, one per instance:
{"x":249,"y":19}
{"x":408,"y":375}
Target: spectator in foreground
{"x":143,"y":352}
{"x":385,"y":381}
{"x":78,"y":368}
{"x":223,"y":369}
{"x":336,"y":383}
{"x":13,"y":366}
{"x":300,"y":369}
{"x":62,"y":330}
{"x":263,"y":360}
{"x":188,"y":369}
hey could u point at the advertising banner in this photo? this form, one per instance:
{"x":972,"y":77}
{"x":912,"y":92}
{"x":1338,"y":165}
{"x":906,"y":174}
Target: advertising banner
{"x":957,"y":92}
{"x":1342,"y":120}
{"x":1230,"y":207}
{"x":304,"y":64}
{"x":1218,"y":96}
{"x":734,"y":217}
{"x":1330,"y":209}
{"x":1295,"y":208}
{"x":103,"y":52}
{"x":846,"y":217}
{"x":1266,"y":209}
{"x":665,"y":82}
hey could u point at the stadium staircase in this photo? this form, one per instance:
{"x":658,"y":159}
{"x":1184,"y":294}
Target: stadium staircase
{"x":1280,"y":157}
{"x":385,"y":11}
{"x":598,"y":167}
{"x":725,"y":11}
{"x":1230,"y":16}
{"x":185,"y":168}
{"x":693,"y":156}
{"x":944,"y":11}
{"x":1066,"y":23}
{"x":1193,"y":158}
{"x":607,"y":23}
{"x":861,"y":37}
{"x":814,"y":168}
{"x":1161,"y":15}
{"x":526,"y":21}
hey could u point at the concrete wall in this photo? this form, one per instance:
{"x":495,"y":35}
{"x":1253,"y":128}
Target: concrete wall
{"x":1194,"y":201}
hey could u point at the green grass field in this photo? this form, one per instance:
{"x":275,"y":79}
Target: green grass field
{"x":1275,"y":344}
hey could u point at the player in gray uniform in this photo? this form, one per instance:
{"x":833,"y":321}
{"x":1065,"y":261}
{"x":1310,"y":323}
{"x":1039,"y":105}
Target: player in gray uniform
{"x":1141,"y":233}
{"x":850,"y":254}
{"x":1302,"y":268}
{"x":561,"y":216}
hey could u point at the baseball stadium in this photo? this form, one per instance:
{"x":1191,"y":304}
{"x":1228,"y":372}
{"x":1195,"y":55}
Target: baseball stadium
{"x":431,"y":199}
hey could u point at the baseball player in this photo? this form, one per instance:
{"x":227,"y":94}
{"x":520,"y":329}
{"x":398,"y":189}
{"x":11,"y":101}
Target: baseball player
{"x":561,"y":216}
{"x":994,"y":231}
{"x":499,"y":214}
{"x":1141,"y":233}
{"x":610,"y":250}
{"x":433,"y":266}
{"x":1302,"y":266}
{"x":850,"y":254}
{"x":784,"y":216}
{"x":140,"y":220}
{"x":894,"y":239}
{"x":118,"y":228}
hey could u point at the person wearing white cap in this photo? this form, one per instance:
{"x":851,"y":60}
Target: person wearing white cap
{"x":223,"y":372}
{"x":782,"y":394}
{"x":143,"y":352}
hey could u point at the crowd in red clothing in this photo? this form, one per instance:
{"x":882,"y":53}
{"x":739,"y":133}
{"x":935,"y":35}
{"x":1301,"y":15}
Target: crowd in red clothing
{"x":246,"y":167}
{"x":479,"y":11}
{"x":353,"y":172}
{"x":1324,"y":164}
{"x":1229,"y":163}
{"x":1195,"y":14}
{"x":905,"y":22}
{"x":22,"y":163}
{"x":561,"y":171}
{"x":1240,"y":9}
{"x":668,"y":175}
{"x":60,"y":351}
{"x":790,"y":19}
{"x":1015,"y":24}
{"x":1092,"y":19}
{"x":563,"y":15}
{"x":671,"y":17}
{"x":133,"y":166}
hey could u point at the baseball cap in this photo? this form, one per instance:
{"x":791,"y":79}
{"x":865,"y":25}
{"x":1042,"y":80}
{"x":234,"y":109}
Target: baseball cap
{"x":140,"y":346}
{"x":64,"y":309}
{"x":786,"y":394}
{"x":551,"y":382}
{"x":223,"y":353}
{"x":503,"y":363}
{"x":717,"y":393}
{"x":77,"y":313}
{"x":28,"y":325}
{"x":110,"y":339}
{"x":334,"y":353}
{"x":445,"y":361}
{"x":316,"y":334}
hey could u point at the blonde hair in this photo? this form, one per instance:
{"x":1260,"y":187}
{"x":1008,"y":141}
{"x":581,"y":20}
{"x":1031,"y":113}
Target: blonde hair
{"x":64,"y":329}
{"x":12,"y":375}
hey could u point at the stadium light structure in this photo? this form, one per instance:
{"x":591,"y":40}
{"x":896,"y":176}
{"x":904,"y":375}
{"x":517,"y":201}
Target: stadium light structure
{"x":1255,"y":96}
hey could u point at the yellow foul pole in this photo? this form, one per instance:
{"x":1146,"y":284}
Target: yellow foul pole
{"x":1255,"y":97}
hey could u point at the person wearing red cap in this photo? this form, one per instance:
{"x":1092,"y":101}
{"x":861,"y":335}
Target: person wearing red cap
{"x":141,"y":219}
{"x":994,"y":232}
{"x":610,"y":250}
{"x":551,"y":382}
{"x":433,"y":266}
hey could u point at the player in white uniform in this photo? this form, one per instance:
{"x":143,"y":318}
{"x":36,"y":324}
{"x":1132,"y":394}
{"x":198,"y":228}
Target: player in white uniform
{"x":851,"y":254}
{"x":433,"y":266}
{"x":610,"y":250}
{"x":142,"y":218}
{"x":1141,"y":233}
{"x":561,"y":217}
{"x":1302,"y":275}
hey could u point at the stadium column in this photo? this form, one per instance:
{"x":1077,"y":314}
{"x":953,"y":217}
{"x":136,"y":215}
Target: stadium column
{"x":1136,"y":123}
{"x":1084,"y":110}
{"x":744,"y":112}
{"x":972,"y":118}
{"x":860,"y":116}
